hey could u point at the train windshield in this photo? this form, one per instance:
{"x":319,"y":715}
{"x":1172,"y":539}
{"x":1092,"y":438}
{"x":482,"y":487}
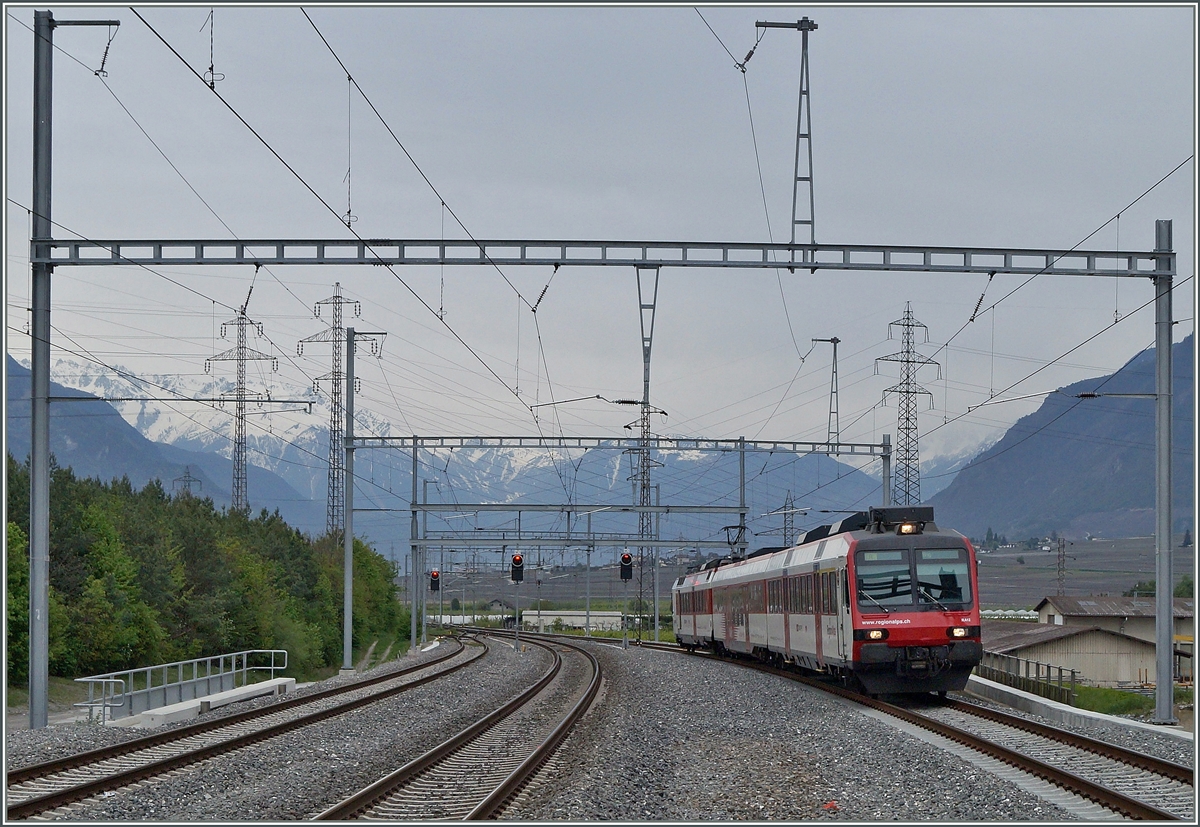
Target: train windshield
{"x":883,"y":578}
{"x":942,"y":576}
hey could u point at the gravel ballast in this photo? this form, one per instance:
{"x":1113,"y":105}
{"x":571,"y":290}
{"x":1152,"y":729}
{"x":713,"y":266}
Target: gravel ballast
{"x":670,"y":738}
{"x":678,"y":738}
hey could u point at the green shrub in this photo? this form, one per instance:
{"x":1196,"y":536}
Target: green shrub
{"x":1113,"y":701}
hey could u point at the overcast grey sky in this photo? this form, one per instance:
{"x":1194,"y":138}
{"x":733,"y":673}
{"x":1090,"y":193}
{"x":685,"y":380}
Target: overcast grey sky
{"x":986,"y":126}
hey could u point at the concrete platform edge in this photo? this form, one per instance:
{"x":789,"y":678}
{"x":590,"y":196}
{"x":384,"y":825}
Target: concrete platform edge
{"x":1061,"y":713}
{"x":195,"y":707}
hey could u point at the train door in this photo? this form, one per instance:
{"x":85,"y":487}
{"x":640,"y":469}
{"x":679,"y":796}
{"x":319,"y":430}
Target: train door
{"x":818,"y":618}
{"x":843,"y":615}
{"x":720,"y":615}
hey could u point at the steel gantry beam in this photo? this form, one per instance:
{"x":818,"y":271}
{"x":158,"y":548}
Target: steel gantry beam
{"x":510,"y":253}
{"x":659,"y":443}
{"x":559,"y":540}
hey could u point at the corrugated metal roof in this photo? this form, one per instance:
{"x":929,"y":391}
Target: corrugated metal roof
{"x":1009,"y":636}
{"x":1115,"y":606}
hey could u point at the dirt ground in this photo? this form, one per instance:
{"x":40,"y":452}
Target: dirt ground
{"x":1019,"y":579}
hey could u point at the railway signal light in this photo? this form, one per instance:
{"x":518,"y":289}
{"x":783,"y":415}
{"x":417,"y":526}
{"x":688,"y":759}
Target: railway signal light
{"x":518,"y":568}
{"x":626,"y":566}
{"x":435,"y":579}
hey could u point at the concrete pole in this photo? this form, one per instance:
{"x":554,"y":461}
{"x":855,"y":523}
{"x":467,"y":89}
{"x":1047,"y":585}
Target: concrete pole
{"x":742,"y":497}
{"x":39,"y":392}
{"x":1164,"y":629}
{"x":412,"y":582}
{"x":587,"y":620}
{"x":654,"y":579}
{"x":348,"y":516}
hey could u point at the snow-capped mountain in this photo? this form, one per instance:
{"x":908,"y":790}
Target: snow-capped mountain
{"x":293,"y":445}
{"x":296,"y":448}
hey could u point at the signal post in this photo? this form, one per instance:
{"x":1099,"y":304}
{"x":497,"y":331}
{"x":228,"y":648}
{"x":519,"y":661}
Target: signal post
{"x":517,"y":573}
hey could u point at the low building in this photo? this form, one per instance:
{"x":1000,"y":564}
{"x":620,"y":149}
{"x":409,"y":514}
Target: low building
{"x":547,"y":620}
{"x":1133,"y":616}
{"x":1099,"y":657}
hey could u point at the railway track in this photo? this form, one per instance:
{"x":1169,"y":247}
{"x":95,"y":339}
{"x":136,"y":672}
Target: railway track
{"x":477,"y":773}
{"x":54,"y":785}
{"x":1130,"y":783}
{"x":1164,"y":787}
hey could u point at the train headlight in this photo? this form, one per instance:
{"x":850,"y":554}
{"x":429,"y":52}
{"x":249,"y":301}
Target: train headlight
{"x":957,"y":631}
{"x":908,"y":528}
{"x":870,"y":634}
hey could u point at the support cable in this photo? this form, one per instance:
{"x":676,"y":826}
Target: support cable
{"x":170,"y":280}
{"x":84,"y":353}
{"x":416,"y":166}
{"x":349,"y":218}
{"x":1068,"y":352}
{"x":1050,"y":264}
{"x":112,"y":34}
{"x":333,"y":211}
{"x":766,"y":212}
{"x":212,"y":76}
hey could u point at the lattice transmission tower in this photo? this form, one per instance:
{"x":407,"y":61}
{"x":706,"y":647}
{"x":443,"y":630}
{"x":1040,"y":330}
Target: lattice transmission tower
{"x":789,"y":520}
{"x":184,"y":483}
{"x":335,"y":334}
{"x":906,"y":481}
{"x":240,"y":354}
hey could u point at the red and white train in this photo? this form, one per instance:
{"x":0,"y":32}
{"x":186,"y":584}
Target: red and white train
{"x":884,"y":599}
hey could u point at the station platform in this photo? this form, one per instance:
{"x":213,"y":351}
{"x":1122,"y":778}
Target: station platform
{"x":1062,"y":713}
{"x":197,"y":706}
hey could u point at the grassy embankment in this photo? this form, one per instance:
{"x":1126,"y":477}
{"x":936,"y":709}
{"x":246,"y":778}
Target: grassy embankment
{"x":1121,"y":702}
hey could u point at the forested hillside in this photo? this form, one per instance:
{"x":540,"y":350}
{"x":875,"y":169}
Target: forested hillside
{"x":138,"y":577}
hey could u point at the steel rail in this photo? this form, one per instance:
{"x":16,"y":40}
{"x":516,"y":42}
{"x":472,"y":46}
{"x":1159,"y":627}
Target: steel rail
{"x":502,"y":796}
{"x":368,"y":797}
{"x":80,"y":759}
{"x":1150,"y":763}
{"x":1098,"y":793}
{"x":53,"y":800}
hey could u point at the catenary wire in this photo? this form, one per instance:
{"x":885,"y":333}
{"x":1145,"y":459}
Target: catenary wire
{"x":331,"y":209}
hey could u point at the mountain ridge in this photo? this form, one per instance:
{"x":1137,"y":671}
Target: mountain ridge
{"x":1054,"y":469}
{"x":93,"y":439}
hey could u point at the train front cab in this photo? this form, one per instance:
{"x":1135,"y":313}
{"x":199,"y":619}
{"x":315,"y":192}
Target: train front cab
{"x":915,"y":611}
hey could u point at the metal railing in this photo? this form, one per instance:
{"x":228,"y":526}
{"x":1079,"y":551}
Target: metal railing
{"x":131,"y":691}
{"x":1030,"y":676}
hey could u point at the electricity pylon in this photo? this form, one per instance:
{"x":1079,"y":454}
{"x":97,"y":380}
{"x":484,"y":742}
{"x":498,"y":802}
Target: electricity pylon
{"x":906,"y":486}
{"x":335,"y":334}
{"x":789,"y":520}
{"x":185,"y":482}
{"x":240,"y":354}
